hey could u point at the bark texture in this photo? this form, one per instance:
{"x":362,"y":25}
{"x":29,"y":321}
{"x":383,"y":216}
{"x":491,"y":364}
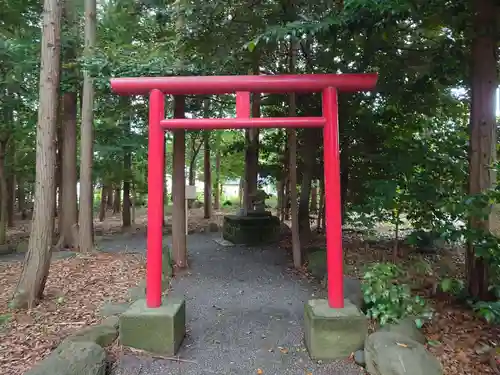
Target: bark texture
{"x":86,"y":230}
{"x":37,"y":262}
{"x":179,"y":190}
{"x":482,"y":152}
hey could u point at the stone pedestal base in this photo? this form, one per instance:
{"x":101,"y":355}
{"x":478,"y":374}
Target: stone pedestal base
{"x":158,"y":331}
{"x":333,"y":333}
{"x":253,"y":229}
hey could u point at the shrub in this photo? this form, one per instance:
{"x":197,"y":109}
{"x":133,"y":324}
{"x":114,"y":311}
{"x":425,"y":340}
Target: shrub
{"x":387,"y":299}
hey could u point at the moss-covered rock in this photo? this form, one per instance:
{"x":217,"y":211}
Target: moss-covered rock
{"x":73,"y":358}
{"x":389,"y":353}
{"x":112,"y":309}
{"x":101,"y":334}
{"x":407,"y":328}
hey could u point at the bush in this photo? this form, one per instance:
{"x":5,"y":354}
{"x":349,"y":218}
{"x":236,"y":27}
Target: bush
{"x":489,"y":311}
{"x":387,"y":300}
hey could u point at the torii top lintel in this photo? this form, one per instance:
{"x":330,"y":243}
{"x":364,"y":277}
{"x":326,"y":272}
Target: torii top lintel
{"x":206,"y":85}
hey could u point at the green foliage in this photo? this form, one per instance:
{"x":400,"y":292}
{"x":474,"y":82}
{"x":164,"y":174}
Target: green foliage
{"x":489,"y":311}
{"x":387,"y":299}
{"x":452,"y":285}
{"x":4,"y":319}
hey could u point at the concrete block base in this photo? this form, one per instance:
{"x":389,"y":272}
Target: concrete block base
{"x":158,"y":331}
{"x":333,"y":333}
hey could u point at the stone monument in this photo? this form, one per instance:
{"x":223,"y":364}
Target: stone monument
{"x":254,"y":226}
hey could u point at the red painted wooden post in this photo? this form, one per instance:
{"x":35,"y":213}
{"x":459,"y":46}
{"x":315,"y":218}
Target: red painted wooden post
{"x":242,"y":104}
{"x":156,"y":145}
{"x":333,"y":214}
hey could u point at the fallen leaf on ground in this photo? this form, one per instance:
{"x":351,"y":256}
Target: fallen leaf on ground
{"x":75,"y":290}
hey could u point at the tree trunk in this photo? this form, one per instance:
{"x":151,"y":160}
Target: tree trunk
{"x":217,"y":190}
{"x":85,"y":219}
{"x":165,"y":185}
{"x":37,"y":262}
{"x":133,"y":202}
{"x":252,"y":151}
{"x":11,"y":188}
{"x":59,"y":162}
{"x":482,"y":152}
{"x":311,"y":143}
{"x":321,"y":207}
{"x":67,"y":162}
{"x":21,"y":195}
{"x":395,"y":246}
{"x":117,"y":199}
{"x":4,"y":191}
{"x":287,"y":200}
{"x":344,"y":176}
{"x":241,"y":192}
{"x":109,"y":198}
{"x":280,"y":189}
{"x":126,"y":214}
{"x":207,"y":199}
{"x":292,"y":146}
{"x":102,"y":207}
{"x":195,"y":150}
{"x":313,"y":207}
{"x":179,"y":189}
{"x":127,"y":169}
{"x":68,"y":204}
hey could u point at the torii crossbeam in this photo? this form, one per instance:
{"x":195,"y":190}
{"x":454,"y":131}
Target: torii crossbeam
{"x":328,"y":84}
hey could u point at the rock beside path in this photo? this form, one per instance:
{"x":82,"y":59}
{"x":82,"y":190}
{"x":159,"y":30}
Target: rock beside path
{"x":407,"y":328}
{"x":112,"y":309}
{"x":81,"y":353}
{"x":102,"y":334}
{"x":73,"y":358}
{"x":389,"y":353}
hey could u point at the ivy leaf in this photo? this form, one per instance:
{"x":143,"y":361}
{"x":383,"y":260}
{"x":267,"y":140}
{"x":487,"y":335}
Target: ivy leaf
{"x":419,"y":323}
{"x":251,"y":46}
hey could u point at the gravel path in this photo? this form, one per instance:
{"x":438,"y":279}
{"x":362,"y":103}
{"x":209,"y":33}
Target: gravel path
{"x":244,"y":312}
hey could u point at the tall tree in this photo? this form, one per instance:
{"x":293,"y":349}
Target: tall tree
{"x":292,"y":149}
{"x":127,"y":170}
{"x":37,"y":262}
{"x":207,"y":177}
{"x":68,"y":205}
{"x":252,"y":147}
{"x":179,"y":189}
{"x":482,"y":151}
{"x":85,"y":219}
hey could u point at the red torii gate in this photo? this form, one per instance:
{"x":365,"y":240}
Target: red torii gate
{"x":328,"y":84}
